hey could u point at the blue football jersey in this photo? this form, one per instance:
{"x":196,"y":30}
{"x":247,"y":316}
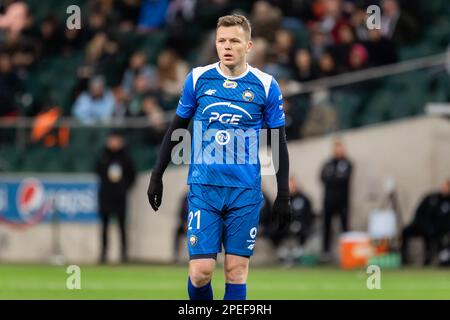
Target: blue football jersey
{"x":228,"y":114}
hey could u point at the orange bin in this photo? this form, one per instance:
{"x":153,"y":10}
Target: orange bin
{"x":355,"y":250}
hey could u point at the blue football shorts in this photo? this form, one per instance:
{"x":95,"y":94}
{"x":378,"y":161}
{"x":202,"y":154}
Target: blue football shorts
{"x":222,"y":216}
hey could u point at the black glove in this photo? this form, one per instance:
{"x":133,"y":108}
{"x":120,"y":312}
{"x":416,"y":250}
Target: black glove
{"x":155,"y":190}
{"x":281,"y":210}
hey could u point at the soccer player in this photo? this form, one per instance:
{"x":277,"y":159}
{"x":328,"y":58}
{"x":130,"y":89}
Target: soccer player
{"x":229,"y":102}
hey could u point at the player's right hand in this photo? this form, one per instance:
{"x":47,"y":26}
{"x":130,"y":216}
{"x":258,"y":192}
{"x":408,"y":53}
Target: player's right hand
{"x":155,"y":191}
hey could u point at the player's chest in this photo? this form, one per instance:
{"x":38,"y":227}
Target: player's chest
{"x":229,"y":102}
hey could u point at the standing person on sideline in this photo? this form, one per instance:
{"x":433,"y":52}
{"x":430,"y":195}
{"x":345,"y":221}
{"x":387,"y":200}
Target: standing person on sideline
{"x":335,"y":176}
{"x":181,"y":228}
{"x":116,"y":173}
{"x":229,"y":102}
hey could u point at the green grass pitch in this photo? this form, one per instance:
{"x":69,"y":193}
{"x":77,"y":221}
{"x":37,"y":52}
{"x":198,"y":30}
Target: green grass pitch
{"x":169,"y":282}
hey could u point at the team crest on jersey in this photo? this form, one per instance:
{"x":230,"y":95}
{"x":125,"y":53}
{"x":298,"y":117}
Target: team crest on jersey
{"x":193,"y":240}
{"x":228,"y":84}
{"x":248,"y":95}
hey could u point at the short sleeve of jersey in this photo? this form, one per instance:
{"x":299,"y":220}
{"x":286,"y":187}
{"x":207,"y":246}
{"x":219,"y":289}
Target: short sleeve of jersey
{"x":187,"y":104}
{"x":274,"y":113}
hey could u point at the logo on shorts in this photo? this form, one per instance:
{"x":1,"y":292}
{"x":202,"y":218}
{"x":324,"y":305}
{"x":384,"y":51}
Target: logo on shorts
{"x":193,"y":240}
{"x":253,"y":232}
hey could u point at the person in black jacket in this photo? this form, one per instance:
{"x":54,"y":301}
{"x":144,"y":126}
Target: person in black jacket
{"x":302,"y":213}
{"x":181,"y":228}
{"x":300,"y":225}
{"x":116,"y":173}
{"x":431,"y":222}
{"x":335,"y":176}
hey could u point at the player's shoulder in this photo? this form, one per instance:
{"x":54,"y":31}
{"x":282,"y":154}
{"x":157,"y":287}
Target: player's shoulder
{"x":197,"y":72}
{"x":266,"y":79}
{"x":261,"y":75}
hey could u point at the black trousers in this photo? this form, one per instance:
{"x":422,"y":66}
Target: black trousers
{"x":430,"y":242}
{"x":329,"y":211}
{"x":105,"y":217}
{"x":180,"y":233}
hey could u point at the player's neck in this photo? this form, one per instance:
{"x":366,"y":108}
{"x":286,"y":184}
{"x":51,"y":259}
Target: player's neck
{"x":236,"y":71}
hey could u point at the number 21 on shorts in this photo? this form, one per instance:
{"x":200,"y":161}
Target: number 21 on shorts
{"x":191,"y":217}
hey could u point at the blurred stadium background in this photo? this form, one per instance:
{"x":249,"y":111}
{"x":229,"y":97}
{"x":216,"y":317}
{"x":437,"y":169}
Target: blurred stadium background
{"x":386,"y":92}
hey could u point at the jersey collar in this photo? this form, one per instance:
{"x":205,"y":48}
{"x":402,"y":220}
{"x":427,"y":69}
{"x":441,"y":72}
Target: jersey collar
{"x":247,"y":69}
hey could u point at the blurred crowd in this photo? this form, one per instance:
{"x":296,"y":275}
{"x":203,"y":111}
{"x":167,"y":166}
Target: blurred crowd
{"x":296,"y":41}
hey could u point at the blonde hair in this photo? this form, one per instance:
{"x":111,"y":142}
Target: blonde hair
{"x":235,"y":20}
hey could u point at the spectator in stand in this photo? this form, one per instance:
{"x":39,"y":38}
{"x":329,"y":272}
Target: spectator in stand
{"x":152,"y":15}
{"x":265,"y":20}
{"x":257,"y":57}
{"x":382,"y":51}
{"x":97,"y":23}
{"x":15,"y":18}
{"x":51,"y":36}
{"x":138,"y":66}
{"x":341,"y":48}
{"x":319,"y":42}
{"x":9,"y":86}
{"x":99,"y":55}
{"x":141,"y":87}
{"x":327,"y":66}
{"x":73,"y":40}
{"x":304,"y":68}
{"x":396,"y":24}
{"x":155,"y":115}
{"x":284,"y":47}
{"x":358,"y":57}
{"x":128,"y":14}
{"x":170,"y":73}
{"x":95,"y":105}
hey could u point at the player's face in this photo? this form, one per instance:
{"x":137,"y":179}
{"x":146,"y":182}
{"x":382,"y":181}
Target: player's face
{"x":232,"y":45}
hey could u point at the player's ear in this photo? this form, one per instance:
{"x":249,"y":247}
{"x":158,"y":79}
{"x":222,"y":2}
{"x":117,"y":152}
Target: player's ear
{"x":249,"y":45}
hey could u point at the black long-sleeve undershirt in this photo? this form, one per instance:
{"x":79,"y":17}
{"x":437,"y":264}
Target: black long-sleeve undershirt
{"x":167,"y":144}
{"x":283,"y":164}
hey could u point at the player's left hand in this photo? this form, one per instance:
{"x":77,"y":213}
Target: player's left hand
{"x":281,"y":210}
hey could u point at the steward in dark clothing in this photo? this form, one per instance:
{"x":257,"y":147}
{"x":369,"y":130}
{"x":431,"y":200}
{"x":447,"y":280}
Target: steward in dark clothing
{"x":181,"y":228}
{"x":301,"y":218}
{"x":116,"y":173}
{"x":431,"y":222}
{"x":335,"y":176}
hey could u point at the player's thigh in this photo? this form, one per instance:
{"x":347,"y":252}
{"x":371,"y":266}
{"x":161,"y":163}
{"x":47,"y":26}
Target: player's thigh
{"x":241,"y":225}
{"x":204,"y":226}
